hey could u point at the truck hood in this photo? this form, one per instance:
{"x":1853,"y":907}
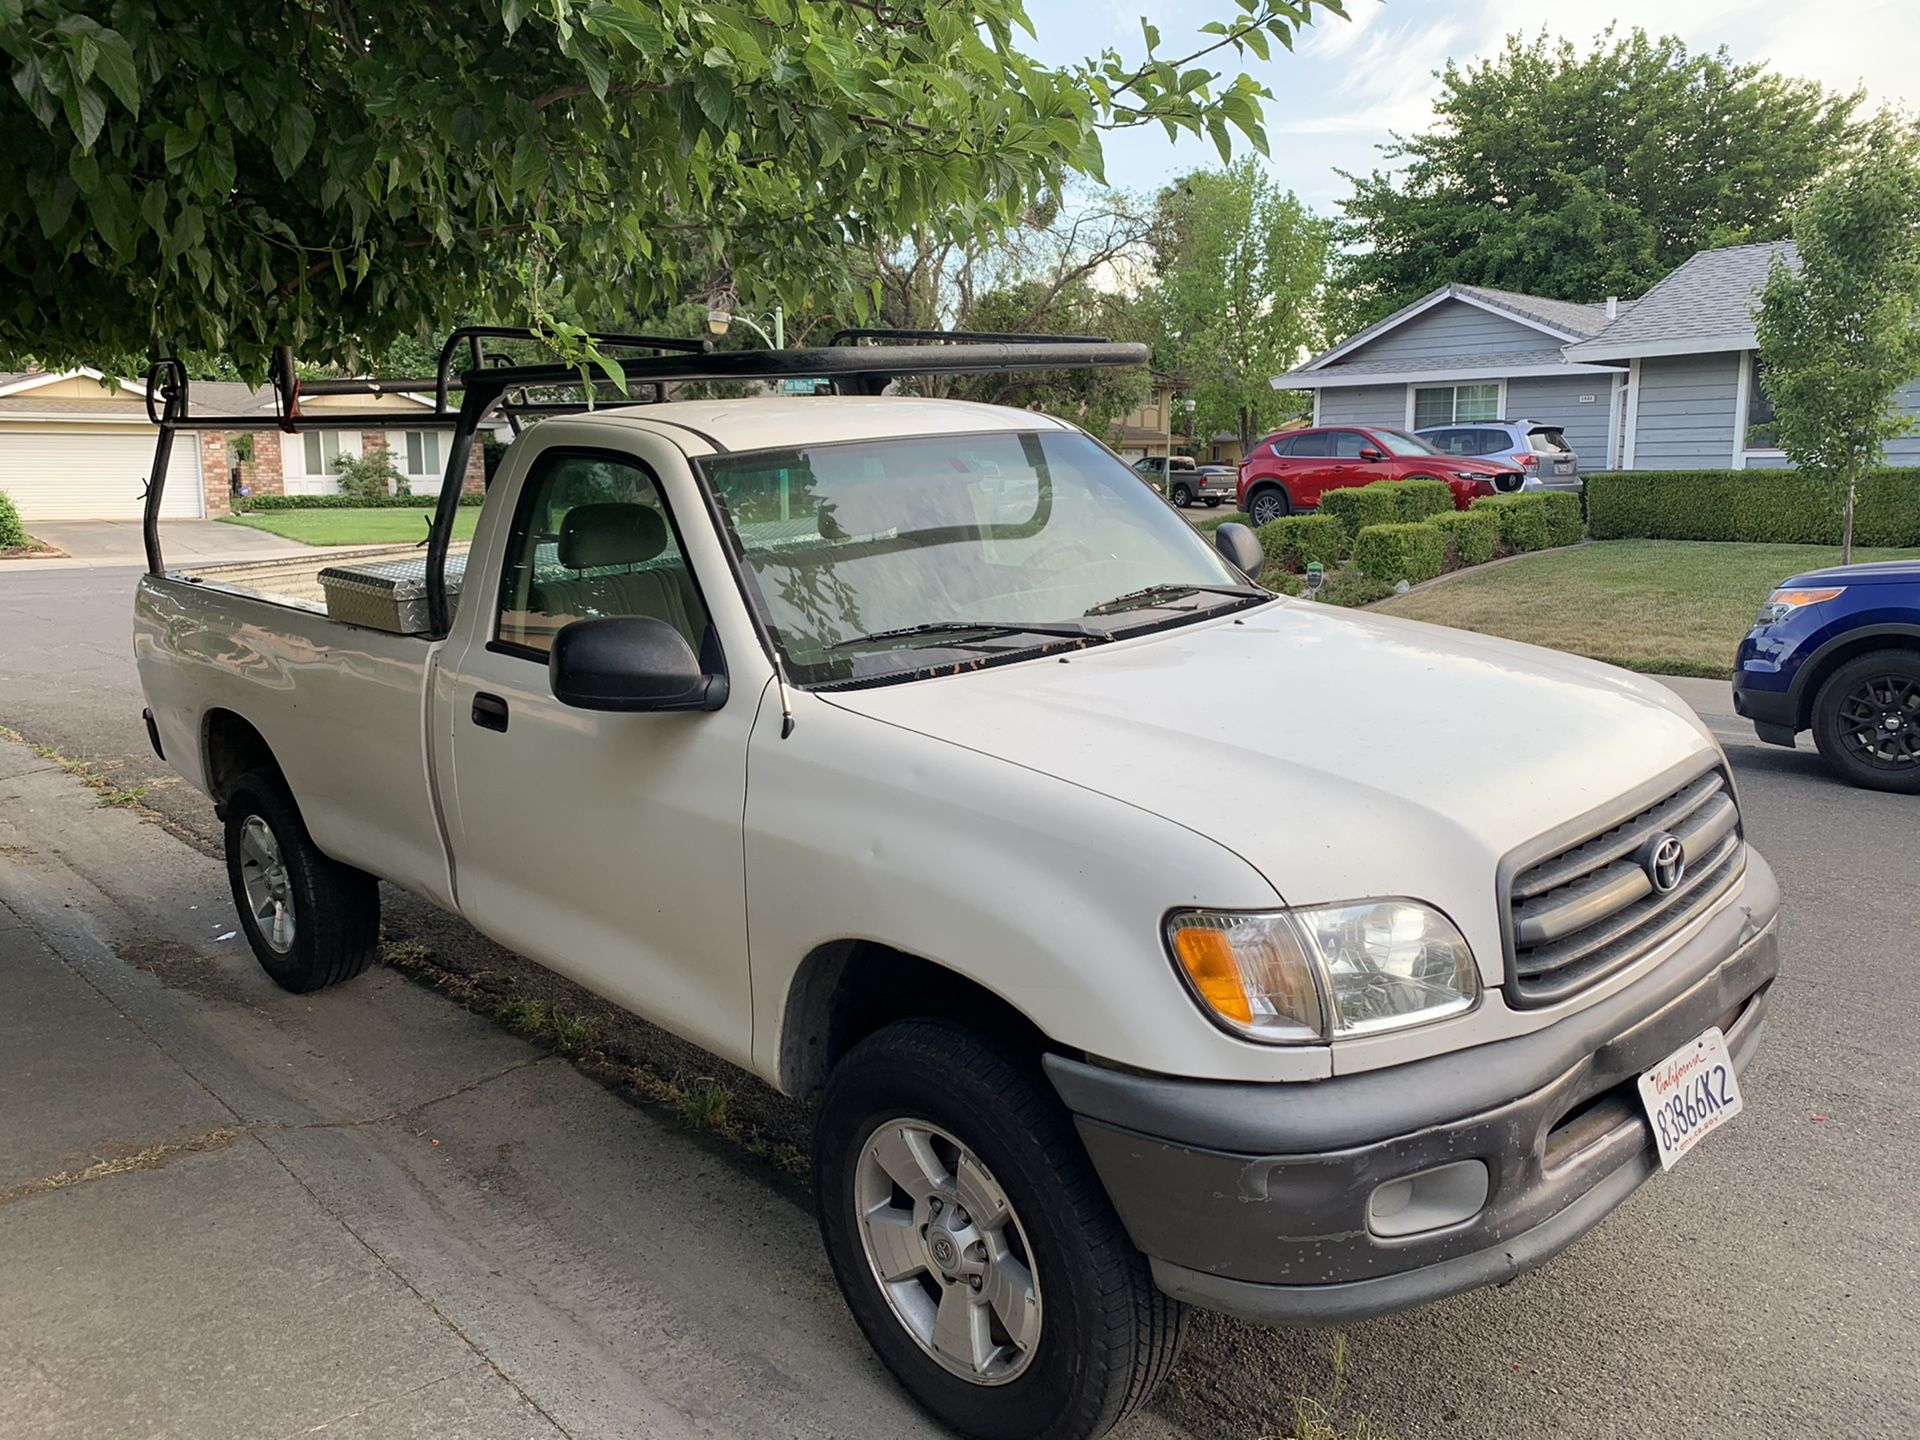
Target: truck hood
{"x":1342,"y":755}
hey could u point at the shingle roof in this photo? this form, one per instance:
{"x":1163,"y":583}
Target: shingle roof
{"x":1568,"y":315}
{"x":1705,"y":305}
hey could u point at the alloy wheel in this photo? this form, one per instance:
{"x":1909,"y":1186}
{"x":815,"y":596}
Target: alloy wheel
{"x":1879,"y":722}
{"x":947,"y":1251}
{"x":263,"y":876}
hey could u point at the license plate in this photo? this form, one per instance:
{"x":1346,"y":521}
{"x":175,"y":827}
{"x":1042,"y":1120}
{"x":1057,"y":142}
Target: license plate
{"x":1563,"y":467}
{"x":1690,"y":1094}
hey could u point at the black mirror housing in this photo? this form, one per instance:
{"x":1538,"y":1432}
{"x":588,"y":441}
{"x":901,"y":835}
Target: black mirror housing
{"x":1242,"y":549}
{"x":630,"y":663}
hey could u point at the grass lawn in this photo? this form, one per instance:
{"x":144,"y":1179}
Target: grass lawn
{"x":1208,"y":521}
{"x":395,"y":526}
{"x":1668,"y":607}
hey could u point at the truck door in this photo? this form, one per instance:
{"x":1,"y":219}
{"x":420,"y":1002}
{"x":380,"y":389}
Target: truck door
{"x":607,"y":846}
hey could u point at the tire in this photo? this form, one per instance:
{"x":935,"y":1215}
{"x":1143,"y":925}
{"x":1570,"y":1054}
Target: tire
{"x":1267,"y":504}
{"x":1866,"y":721}
{"x":1213,"y":502}
{"x":1182,"y":496}
{"x":1104,"y":1337}
{"x":312,"y":922}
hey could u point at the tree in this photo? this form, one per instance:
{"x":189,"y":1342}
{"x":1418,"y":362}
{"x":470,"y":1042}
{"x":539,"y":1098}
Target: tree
{"x":1840,"y":330}
{"x":1241,"y":268}
{"x":219,"y":177}
{"x":1578,"y":176}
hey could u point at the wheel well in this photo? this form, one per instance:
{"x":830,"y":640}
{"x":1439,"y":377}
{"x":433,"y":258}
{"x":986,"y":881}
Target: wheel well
{"x":845,"y":991}
{"x":233,"y":748}
{"x":1816,"y":674}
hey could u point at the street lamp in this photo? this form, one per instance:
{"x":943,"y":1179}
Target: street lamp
{"x":721,"y":315}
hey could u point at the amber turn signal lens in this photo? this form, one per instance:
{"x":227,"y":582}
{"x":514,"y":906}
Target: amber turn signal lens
{"x":1806,"y":597}
{"x":1207,"y":957}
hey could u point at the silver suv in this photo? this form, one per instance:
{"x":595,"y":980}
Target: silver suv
{"x":1541,"y":451}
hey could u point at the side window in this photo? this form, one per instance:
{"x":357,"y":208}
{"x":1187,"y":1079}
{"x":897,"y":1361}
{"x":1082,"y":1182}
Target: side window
{"x":1282,"y":446}
{"x":1313,"y":443}
{"x":1454,"y":442}
{"x":1494,"y":442}
{"x":591,"y":537}
{"x":1347,"y":444}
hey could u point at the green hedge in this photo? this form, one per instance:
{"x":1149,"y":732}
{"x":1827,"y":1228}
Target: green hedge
{"x":1416,"y":500}
{"x":1523,"y":520}
{"x":343,"y":502}
{"x":12,"y":532}
{"x":1295,"y":541}
{"x":1473,"y":535}
{"x":1359,"y":506}
{"x":1769,"y":506}
{"x":1400,"y":551}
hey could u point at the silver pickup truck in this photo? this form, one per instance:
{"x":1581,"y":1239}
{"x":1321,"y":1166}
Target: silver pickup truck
{"x":849,"y":737}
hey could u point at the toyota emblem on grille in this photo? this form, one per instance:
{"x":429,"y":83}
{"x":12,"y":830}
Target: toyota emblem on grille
{"x":1665,"y":861}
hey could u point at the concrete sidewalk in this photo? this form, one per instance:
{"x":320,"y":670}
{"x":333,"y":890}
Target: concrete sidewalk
{"x":230,"y":1211}
{"x":115,"y":544}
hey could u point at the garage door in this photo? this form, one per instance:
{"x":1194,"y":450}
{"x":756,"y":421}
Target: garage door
{"x":97,"y":474}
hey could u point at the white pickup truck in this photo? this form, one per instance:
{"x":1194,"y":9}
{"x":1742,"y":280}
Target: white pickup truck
{"x":849,"y":737}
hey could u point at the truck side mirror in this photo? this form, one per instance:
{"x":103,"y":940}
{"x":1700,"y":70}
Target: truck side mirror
{"x":1242,"y":549}
{"x":630,"y":662}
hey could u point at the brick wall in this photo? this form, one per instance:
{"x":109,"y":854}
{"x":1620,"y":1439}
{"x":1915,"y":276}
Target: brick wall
{"x":474,"y":482}
{"x":265,"y":474}
{"x":215,"y":472}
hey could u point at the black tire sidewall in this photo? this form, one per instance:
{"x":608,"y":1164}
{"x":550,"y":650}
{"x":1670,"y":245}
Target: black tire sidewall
{"x":1827,"y":730}
{"x":1039,"y":1166}
{"x":311,"y":878}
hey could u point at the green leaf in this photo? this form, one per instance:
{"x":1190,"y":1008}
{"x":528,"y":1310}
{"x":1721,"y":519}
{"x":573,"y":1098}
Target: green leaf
{"x":529,"y":164}
{"x":86,"y":113}
{"x":53,"y":204}
{"x":115,"y":69}
{"x":292,"y":138}
{"x":11,"y":12}
{"x":85,"y":171}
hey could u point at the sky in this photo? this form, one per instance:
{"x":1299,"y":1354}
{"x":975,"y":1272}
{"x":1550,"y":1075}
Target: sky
{"x":1349,"y":83}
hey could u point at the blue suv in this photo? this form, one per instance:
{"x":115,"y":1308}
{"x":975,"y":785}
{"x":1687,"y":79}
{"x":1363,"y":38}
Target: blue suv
{"x":1837,"y":652}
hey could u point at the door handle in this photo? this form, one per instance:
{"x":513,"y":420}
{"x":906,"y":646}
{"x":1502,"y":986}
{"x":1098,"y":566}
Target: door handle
{"x":490,"y":712}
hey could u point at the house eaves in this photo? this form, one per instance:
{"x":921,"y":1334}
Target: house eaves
{"x":1431,"y":370}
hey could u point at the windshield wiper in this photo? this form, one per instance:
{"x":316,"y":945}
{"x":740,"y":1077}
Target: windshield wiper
{"x":1159,"y":594}
{"x":985,"y":629}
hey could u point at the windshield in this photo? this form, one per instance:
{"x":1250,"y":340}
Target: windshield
{"x":956,"y":541}
{"x":1401,"y":443}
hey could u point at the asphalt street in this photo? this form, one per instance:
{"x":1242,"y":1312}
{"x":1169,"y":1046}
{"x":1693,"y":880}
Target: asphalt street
{"x":565,"y":1261}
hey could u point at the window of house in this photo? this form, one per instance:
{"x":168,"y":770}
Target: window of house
{"x":591,"y":538}
{"x":322,"y":452}
{"x":1455,"y":404}
{"x":1760,"y":417}
{"x":423,"y":452}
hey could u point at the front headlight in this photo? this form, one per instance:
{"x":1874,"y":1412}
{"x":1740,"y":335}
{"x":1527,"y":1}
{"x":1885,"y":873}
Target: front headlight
{"x":1784,"y":602}
{"x":1303,"y":976}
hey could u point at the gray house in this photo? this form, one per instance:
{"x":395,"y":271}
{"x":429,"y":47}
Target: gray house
{"x":1667,"y":382}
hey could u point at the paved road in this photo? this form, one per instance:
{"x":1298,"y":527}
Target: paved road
{"x":590,"y":1265}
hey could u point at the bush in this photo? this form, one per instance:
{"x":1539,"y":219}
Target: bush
{"x":1472,"y":535}
{"x":12,"y":532}
{"x":1522,"y":519}
{"x":1566,"y":522}
{"x":1293,"y":542}
{"x":1358,"y":506}
{"x":370,"y":476}
{"x":1417,"y":500}
{"x":1767,"y":506}
{"x":343,"y":502}
{"x":1400,"y":551}
{"x":1347,"y":586}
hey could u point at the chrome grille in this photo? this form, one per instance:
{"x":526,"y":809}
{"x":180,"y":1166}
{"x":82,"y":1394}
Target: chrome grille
{"x":1582,"y":914}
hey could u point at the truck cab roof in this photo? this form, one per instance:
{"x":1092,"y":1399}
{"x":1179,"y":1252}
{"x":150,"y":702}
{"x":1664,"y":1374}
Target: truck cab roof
{"x":792,"y":422}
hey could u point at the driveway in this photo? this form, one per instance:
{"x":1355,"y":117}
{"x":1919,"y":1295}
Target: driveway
{"x":106,"y":544}
{"x":567,"y":1248}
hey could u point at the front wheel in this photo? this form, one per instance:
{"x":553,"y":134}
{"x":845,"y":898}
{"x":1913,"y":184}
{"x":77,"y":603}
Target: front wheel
{"x":1213,"y":502}
{"x":975,"y":1245}
{"x":1268,"y":505}
{"x":311,"y":921}
{"x":1866,"y":721}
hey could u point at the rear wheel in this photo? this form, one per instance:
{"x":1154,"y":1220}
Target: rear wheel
{"x":311,"y":921}
{"x":1866,"y":721}
{"x":1182,"y":495}
{"x":1268,"y":505}
{"x":976,"y":1247}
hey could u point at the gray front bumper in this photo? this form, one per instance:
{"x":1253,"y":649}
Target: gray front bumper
{"x":1252,"y":1199}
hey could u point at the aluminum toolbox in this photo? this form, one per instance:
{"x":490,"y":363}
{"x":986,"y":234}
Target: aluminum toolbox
{"x":389,"y":595}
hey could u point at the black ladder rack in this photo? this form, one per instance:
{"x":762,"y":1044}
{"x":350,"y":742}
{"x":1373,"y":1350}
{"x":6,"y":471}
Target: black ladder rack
{"x":488,"y":387}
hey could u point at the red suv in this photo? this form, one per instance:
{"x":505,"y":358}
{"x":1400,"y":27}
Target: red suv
{"x":1288,"y":471}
